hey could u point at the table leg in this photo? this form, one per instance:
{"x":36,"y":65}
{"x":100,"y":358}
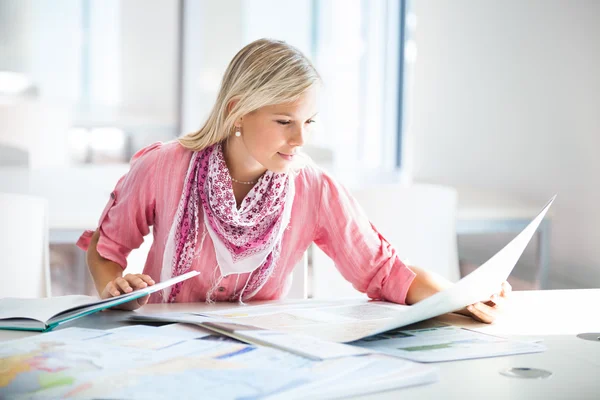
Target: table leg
{"x":543,"y":255}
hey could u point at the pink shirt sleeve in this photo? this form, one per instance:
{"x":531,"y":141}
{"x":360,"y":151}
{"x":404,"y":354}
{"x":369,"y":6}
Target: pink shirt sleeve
{"x":361,"y":254}
{"x":129,"y":213}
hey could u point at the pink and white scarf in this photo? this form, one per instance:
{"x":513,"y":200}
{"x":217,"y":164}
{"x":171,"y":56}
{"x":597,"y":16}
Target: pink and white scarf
{"x":246,"y":240}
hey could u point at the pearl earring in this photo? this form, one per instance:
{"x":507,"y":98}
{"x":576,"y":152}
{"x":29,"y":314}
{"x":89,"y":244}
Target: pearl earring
{"x":237,"y":132}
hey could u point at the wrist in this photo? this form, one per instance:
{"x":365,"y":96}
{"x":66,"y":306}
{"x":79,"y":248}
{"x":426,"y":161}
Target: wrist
{"x":425,"y":285}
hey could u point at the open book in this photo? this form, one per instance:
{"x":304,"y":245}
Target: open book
{"x":46,"y":313}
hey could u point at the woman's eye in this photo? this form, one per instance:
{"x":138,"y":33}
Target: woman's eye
{"x":282,"y":122}
{"x":311,"y":121}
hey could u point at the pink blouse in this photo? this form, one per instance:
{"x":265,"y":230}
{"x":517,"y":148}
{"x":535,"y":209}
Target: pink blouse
{"x":323,"y":212}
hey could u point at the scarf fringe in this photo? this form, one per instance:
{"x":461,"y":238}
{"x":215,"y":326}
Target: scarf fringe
{"x":216,"y":284}
{"x":240,"y":299}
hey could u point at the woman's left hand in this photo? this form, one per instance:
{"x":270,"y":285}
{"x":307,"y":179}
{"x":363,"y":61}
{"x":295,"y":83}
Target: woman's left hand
{"x":488,"y":311}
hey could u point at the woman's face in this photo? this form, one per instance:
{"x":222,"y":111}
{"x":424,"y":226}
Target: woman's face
{"x":272,"y":135}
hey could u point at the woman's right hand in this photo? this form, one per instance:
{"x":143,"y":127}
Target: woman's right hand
{"x":128,"y":284}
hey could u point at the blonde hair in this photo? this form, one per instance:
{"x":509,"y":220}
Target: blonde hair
{"x":265,"y":72}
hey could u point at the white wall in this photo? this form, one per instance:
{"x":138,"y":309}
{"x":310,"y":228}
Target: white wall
{"x":273,"y":19}
{"x":507,"y":97}
{"x":149,"y":67}
{"x":212,"y":36}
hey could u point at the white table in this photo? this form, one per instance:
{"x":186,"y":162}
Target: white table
{"x":556,"y":316}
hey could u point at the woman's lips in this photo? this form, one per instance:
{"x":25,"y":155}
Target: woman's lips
{"x":288,"y":157}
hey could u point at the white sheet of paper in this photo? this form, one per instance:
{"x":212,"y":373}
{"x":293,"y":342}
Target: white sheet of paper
{"x":333,"y":321}
{"x":307,"y":346}
{"x":445,"y":343}
{"x":188,"y":331}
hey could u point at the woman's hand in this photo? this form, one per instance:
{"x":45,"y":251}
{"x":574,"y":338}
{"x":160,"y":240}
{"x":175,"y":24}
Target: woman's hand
{"x":488,"y":311}
{"x":128,"y":284}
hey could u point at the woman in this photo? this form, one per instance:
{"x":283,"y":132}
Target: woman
{"x":237,"y":202}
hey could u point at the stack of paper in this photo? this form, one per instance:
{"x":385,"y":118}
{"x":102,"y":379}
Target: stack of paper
{"x":147,"y":362}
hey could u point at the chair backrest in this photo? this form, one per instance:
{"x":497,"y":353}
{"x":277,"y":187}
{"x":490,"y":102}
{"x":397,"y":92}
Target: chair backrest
{"x":299,"y":286}
{"x":24,"y":268}
{"x":136,"y":260}
{"x":13,"y":156}
{"x":418,"y":220}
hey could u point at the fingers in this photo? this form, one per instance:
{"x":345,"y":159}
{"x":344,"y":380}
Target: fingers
{"x":500,"y":298}
{"x":127,"y":284}
{"x":143,"y":300}
{"x":123,"y":285}
{"x":115,"y":288}
{"x":496,"y":301}
{"x":506,"y":289}
{"x":139,"y":281}
{"x":135,"y":281}
{"x":489,"y":311}
{"x":483,"y":313}
{"x":112,"y":289}
{"x":147,"y":279}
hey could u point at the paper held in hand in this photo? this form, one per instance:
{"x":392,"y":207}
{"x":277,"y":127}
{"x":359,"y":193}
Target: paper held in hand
{"x":477,"y":286}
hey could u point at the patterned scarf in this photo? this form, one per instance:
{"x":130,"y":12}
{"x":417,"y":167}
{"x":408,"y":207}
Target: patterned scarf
{"x":246,"y":240}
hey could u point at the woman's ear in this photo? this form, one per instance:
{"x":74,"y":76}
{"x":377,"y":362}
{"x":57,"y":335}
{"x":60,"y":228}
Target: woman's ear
{"x":231,"y":104}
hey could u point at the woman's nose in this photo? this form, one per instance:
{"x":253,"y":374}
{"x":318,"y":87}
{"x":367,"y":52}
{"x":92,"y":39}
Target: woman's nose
{"x":298,"y":137}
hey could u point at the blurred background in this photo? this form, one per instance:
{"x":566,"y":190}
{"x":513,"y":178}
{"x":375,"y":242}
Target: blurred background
{"x":498,"y":100}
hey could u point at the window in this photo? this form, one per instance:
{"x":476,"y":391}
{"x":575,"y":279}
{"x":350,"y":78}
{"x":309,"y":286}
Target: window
{"x":359,"y":50}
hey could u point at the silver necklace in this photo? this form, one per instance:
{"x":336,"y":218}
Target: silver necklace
{"x":243,"y":183}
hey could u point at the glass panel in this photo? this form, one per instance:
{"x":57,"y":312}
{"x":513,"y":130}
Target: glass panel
{"x":68,"y":271}
{"x":110,"y":67}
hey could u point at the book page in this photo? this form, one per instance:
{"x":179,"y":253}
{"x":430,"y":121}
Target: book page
{"x":62,"y":308}
{"x":40,"y":309}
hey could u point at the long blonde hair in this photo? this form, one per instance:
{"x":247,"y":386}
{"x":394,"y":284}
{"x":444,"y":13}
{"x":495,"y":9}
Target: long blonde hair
{"x":265,"y":72}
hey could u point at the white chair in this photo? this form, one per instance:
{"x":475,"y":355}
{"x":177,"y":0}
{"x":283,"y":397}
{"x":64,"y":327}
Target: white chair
{"x":299,"y":286}
{"x":418,"y":220}
{"x":24,"y":246}
{"x":136,"y":261}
